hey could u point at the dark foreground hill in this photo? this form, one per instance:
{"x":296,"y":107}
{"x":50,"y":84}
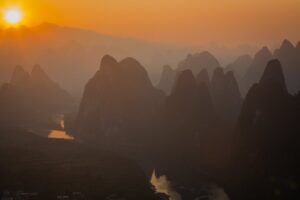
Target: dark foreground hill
{"x":266,"y":146}
{"x":54,"y":167}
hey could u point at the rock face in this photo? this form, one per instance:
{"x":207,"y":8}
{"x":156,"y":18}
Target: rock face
{"x":267,"y":140}
{"x":256,"y":69}
{"x":55,"y":167}
{"x":118,"y":103}
{"x":167,"y":78}
{"x":35,"y":95}
{"x":226,"y":95}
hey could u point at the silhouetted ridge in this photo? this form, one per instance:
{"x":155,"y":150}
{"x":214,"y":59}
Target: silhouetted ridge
{"x":135,"y":72}
{"x":199,"y":61}
{"x":118,"y":103}
{"x":185,"y":82}
{"x":289,"y":58}
{"x":39,"y":76}
{"x":263,"y":53}
{"x":194,"y":62}
{"x":273,"y":73}
{"x":261,"y":58}
{"x":286,"y":45}
{"x":240,"y":66}
{"x":108,"y":63}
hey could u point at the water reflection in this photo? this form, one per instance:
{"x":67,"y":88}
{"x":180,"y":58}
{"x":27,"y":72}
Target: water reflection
{"x":206,"y":192}
{"x":60,"y":134}
{"x":57,"y":134}
{"x":163,"y":185}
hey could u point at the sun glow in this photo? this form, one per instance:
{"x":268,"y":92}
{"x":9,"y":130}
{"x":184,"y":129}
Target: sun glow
{"x":13,"y":16}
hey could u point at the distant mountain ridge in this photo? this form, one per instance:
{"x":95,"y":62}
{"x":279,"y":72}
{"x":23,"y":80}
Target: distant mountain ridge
{"x":32,"y":97}
{"x":74,"y":52}
{"x":287,"y":54}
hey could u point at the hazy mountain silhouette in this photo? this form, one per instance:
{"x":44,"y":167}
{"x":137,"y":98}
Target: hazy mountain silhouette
{"x":167,"y":79}
{"x":20,"y":77}
{"x":226,"y":95}
{"x":274,"y":73}
{"x":119,"y":105}
{"x":196,"y":63}
{"x":56,"y":167}
{"x":189,"y":104}
{"x":199,"y":61}
{"x":240,"y":66}
{"x":70,"y":54}
{"x":32,"y":97}
{"x":256,"y":68}
{"x":288,"y":55}
{"x":266,"y":142}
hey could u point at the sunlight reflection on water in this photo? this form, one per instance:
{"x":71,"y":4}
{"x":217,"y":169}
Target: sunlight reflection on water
{"x":56,"y":134}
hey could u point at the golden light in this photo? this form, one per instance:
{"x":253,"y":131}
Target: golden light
{"x":13,"y":16}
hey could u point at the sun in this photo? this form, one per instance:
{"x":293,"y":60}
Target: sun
{"x":13,"y":16}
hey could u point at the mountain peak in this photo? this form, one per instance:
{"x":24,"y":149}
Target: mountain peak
{"x":274,"y":73}
{"x":39,"y":76}
{"x":206,"y":54}
{"x":108,"y":60}
{"x":19,"y":76}
{"x":135,"y":73}
{"x":38,"y":72}
{"x":130,"y":62}
{"x":37,"y":69}
{"x":263,"y":53}
{"x":286,"y":44}
{"x":185,"y":82}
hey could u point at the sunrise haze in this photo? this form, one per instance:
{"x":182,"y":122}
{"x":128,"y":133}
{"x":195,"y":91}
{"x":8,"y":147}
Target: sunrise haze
{"x":192,"y":22}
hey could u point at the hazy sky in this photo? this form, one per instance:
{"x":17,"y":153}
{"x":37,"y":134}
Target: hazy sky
{"x":175,"y":21}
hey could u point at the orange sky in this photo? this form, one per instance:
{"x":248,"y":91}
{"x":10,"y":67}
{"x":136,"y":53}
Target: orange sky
{"x":174,"y":21}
